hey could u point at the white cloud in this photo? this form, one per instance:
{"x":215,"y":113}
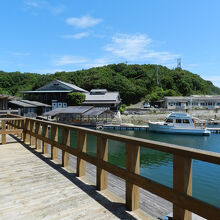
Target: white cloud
{"x":76,"y":36}
{"x":163,"y":57}
{"x":83,"y":22}
{"x":137,"y":47}
{"x":128,"y":46}
{"x":69,"y":60}
{"x":50,"y":71}
{"x":214,"y":79}
{"x":37,"y":5}
{"x":33,"y":4}
{"x":98,"y":62}
{"x":57,"y":10}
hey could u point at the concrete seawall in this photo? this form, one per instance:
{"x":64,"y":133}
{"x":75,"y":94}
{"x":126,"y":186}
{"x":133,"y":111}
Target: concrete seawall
{"x":143,"y":117}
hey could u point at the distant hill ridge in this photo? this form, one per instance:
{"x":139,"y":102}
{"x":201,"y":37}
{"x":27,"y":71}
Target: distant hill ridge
{"x":134,"y":82}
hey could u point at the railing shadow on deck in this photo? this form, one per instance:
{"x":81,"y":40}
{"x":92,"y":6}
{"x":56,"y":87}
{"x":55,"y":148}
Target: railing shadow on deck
{"x":43,"y":133}
{"x":116,"y":208}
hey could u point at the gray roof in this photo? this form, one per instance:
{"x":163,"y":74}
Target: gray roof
{"x":68,"y":110}
{"x":98,"y":91}
{"x":82,"y":110}
{"x":59,"y":87}
{"x":53,"y":112}
{"x":27,"y":103}
{"x":22,"y":104}
{"x":76,"y":109}
{"x":193,"y":97}
{"x":109,"y":97}
{"x":96,"y":112}
{"x":38,"y":104}
{"x":47,"y":91}
{"x":72,"y":86}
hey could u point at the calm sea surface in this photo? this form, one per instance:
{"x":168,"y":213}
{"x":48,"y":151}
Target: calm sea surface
{"x":158,"y":166}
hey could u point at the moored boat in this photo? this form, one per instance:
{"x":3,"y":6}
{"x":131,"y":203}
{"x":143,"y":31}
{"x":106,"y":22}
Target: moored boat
{"x":178,"y":123}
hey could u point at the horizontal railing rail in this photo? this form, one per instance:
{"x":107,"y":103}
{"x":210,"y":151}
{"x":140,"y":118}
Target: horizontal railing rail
{"x":36,"y":132}
{"x":8,"y":129}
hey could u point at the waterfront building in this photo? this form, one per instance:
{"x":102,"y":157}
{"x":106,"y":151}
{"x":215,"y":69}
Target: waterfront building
{"x":4,"y":99}
{"x":53,"y":93}
{"x":101,"y":98}
{"x":29,"y":108}
{"x":81,"y":115}
{"x":194,"y":101}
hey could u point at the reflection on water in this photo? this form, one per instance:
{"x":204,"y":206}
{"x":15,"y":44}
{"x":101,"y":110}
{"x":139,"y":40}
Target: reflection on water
{"x":158,"y":166}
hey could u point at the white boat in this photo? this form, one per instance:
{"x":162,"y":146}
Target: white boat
{"x":178,"y":123}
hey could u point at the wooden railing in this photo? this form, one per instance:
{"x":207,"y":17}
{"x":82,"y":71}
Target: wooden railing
{"x":36,"y":131}
{"x":9,"y":129}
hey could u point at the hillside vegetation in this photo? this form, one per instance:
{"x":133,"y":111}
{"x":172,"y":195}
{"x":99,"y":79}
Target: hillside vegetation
{"x":134,"y":82}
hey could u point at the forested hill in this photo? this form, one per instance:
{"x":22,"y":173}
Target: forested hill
{"x":134,"y":82}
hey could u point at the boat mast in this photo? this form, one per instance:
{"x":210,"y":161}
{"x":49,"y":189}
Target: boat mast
{"x":191,"y":105}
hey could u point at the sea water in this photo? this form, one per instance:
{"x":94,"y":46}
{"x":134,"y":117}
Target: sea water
{"x":158,"y":166}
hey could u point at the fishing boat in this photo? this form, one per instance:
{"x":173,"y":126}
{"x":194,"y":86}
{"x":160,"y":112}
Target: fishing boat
{"x":178,"y":123}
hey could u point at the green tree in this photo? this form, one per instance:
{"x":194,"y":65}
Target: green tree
{"x":156,"y":95}
{"x":133,"y":82}
{"x":75,"y":98}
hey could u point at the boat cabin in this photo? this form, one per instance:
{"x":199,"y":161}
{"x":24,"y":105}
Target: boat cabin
{"x":179,"y":120}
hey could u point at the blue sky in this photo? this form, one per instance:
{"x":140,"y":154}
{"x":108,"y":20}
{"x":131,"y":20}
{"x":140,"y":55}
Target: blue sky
{"x":49,"y":36}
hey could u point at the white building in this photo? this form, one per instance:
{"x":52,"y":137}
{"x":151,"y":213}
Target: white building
{"x":194,"y":101}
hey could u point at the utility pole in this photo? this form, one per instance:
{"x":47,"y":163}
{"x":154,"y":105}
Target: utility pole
{"x":157,"y":75}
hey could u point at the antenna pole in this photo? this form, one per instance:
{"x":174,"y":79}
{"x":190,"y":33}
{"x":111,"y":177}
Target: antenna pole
{"x":179,"y":63}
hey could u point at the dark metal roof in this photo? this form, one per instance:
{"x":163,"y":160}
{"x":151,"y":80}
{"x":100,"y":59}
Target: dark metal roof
{"x":61,"y":87}
{"x":76,"y":88}
{"x":53,"y":112}
{"x":22,"y":104}
{"x":68,"y":110}
{"x":76,"y":109}
{"x":82,"y":110}
{"x":96,"y":112}
{"x":48,"y":91}
{"x":38,"y":104}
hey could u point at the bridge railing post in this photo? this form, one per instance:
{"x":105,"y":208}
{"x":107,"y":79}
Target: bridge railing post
{"x":44,"y":143}
{"x":182,"y":182}
{"x":66,"y":142}
{"x":132,"y":165}
{"x":25,"y":126}
{"x":54,"y":137}
{"x":81,"y":147}
{"x":102,"y":155}
{"x":18,"y":125}
{"x":32,"y":128}
{"x":3,"y":129}
{"x":37,"y":140}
